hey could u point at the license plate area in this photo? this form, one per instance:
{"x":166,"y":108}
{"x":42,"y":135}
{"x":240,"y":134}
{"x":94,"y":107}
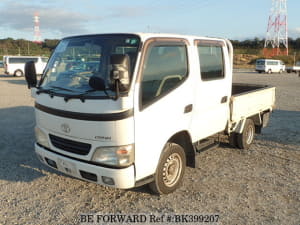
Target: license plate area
{"x":67,"y":167}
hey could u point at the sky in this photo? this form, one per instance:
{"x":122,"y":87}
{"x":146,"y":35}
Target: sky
{"x":233,"y":19}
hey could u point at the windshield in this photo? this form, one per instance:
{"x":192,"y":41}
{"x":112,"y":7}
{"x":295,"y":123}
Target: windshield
{"x":76,"y":59}
{"x":260,"y":62}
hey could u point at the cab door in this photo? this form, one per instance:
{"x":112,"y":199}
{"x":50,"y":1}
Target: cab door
{"x":211,"y":108}
{"x":162,"y":100}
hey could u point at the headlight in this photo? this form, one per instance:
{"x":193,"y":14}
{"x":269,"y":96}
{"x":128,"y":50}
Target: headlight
{"x":41,"y":137}
{"x":114,"y":156}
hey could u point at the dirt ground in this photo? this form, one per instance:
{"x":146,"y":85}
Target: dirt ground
{"x":259,"y":186}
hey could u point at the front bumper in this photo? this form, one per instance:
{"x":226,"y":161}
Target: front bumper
{"x":122,"y":178}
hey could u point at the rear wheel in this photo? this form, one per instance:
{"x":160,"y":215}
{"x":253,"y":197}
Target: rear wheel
{"x":245,"y":139}
{"x":170,"y":170}
{"x":18,"y":73}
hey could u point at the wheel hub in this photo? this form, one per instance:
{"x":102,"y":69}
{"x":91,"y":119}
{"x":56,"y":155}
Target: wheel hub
{"x":249,"y":134}
{"x":172,"y":170}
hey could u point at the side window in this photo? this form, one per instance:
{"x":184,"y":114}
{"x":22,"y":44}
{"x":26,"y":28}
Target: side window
{"x":165,"y":68}
{"x":31,"y":59}
{"x":211,"y":61}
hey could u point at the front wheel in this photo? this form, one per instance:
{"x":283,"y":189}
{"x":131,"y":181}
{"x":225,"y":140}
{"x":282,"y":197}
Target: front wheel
{"x":245,"y":139}
{"x":170,"y":170}
{"x":269,"y":71}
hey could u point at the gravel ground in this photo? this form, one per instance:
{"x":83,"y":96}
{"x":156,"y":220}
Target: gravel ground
{"x":259,"y":186}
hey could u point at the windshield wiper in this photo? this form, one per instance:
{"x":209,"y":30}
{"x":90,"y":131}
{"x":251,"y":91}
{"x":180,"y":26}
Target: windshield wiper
{"x":51,"y":91}
{"x":61,"y":88}
{"x":47,"y":91}
{"x":80,"y":96}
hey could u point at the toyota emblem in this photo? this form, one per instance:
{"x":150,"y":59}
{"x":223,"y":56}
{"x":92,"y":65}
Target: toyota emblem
{"x":65,"y":128}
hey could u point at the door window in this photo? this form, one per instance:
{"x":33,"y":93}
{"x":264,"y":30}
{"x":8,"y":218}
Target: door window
{"x":165,"y":68}
{"x":211,"y":61}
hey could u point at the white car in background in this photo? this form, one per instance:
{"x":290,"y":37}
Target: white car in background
{"x":14,"y":65}
{"x":269,"y":66}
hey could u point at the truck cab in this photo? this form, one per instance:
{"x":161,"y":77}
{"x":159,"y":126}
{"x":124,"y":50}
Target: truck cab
{"x":123,"y":110}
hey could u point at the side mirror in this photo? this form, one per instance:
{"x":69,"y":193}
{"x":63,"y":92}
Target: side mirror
{"x":120,"y":72}
{"x":97,"y":83}
{"x":30,"y":74}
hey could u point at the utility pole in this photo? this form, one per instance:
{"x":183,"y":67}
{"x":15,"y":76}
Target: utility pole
{"x":277,"y":31}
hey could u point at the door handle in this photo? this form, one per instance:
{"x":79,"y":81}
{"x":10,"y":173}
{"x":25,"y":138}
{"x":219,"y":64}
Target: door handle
{"x":224,"y":99}
{"x":188,"y":108}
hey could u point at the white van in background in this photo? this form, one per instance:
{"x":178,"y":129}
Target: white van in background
{"x":14,"y":65}
{"x":269,"y":66}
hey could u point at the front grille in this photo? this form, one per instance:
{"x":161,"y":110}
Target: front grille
{"x":70,"y":146}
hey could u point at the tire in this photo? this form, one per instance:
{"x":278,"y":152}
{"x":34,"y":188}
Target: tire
{"x":170,"y":170}
{"x":259,"y":71}
{"x":18,"y":73}
{"x":280,"y":71}
{"x":269,"y":71}
{"x":245,"y":139}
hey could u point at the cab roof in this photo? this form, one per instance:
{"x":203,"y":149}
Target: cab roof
{"x":146,"y":36}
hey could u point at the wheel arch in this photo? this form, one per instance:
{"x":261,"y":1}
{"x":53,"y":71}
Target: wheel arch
{"x":183,"y":139}
{"x":18,"y":70}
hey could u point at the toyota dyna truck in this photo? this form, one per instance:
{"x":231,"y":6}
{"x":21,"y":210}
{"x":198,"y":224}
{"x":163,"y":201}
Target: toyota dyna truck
{"x":124,"y":110}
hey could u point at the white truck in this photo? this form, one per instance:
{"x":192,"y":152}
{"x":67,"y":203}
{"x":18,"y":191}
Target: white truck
{"x":294,"y":69}
{"x":124,"y":110}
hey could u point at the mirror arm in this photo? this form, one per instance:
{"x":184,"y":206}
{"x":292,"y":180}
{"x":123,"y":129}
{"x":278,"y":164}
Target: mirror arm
{"x":117,"y":86}
{"x":116,"y":79}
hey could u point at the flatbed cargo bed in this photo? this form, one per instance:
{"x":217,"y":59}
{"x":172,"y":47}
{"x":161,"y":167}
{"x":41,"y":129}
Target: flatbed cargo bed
{"x":250,"y":99}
